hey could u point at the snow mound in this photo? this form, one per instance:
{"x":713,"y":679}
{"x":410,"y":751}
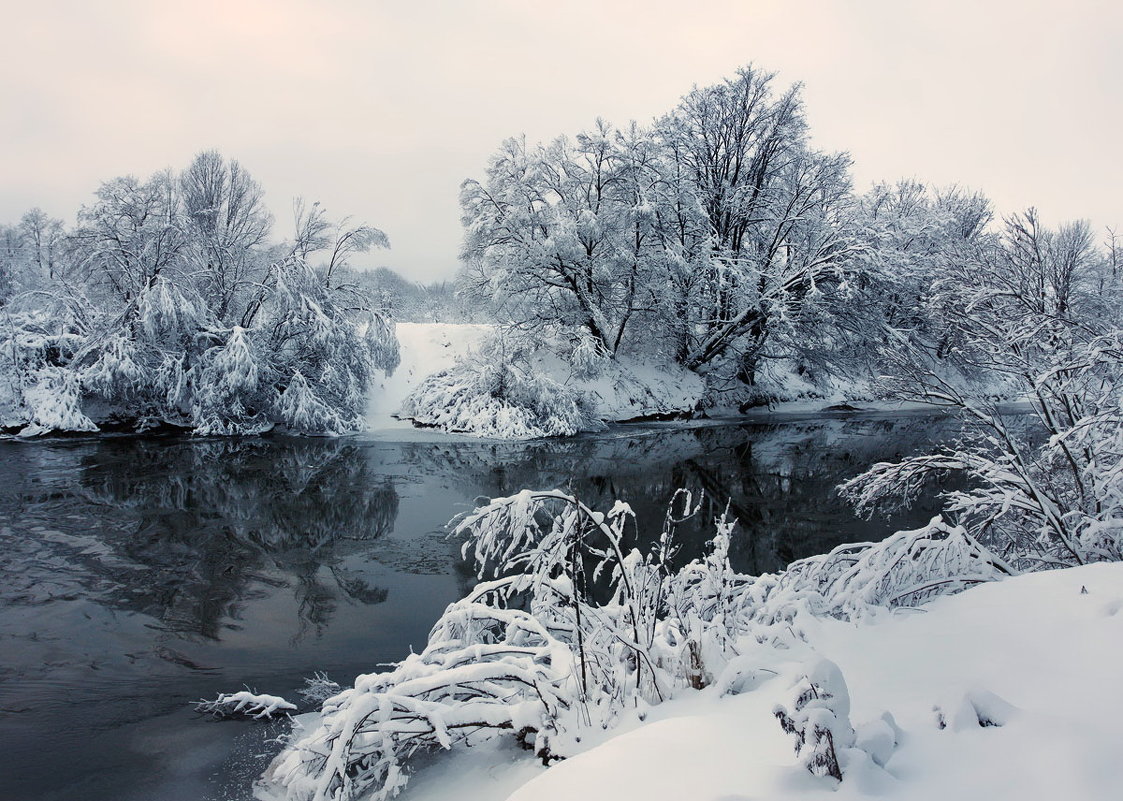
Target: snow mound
{"x":629,"y":390}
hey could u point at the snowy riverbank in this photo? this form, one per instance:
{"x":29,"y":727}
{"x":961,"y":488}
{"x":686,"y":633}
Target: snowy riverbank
{"x":621,"y":390}
{"x":425,"y":348}
{"x":440,"y":383}
{"x":1035,"y":655}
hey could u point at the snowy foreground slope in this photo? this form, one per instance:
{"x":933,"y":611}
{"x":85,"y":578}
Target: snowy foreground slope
{"x":1035,"y":656}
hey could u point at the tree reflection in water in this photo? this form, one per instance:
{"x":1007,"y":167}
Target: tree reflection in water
{"x":778,"y":479}
{"x":198,"y":528}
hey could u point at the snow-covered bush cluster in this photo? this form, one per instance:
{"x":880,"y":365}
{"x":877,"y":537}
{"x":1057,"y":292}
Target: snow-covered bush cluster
{"x":497,"y":393}
{"x":572,"y":626}
{"x":166,"y":306}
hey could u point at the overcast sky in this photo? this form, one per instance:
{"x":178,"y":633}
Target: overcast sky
{"x":380,"y":109}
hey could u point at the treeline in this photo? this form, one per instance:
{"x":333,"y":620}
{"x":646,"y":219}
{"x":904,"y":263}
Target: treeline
{"x":715,"y":240}
{"x":416,"y":302}
{"x":168,"y":304}
{"x":718,"y":238}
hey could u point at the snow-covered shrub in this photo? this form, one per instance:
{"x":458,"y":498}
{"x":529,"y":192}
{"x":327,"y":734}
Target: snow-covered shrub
{"x":1047,"y":497}
{"x":53,"y":399}
{"x":819,"y":719}
{"x":1038,"y":313}
{"x":319,"y":688}
{"x":302,"y":362}
{"x":572,"y":625}
{"x":906,"y":569}
{"x":169,"y":308}
{"x":491,"y":394}
{"x":701,"y":602}
{"x":35,"y":389}
{"x":485,"y":671}
{"x":548,"y":551}
{"x":229,"y":386}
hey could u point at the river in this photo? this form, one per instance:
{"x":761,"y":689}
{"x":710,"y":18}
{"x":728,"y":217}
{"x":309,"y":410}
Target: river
{"x":140,"y":574}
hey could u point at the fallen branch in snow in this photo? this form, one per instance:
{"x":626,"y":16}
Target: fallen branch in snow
{"x":247,"y":704}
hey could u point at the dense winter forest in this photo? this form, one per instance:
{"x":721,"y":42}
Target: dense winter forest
{"x":703,"y":264}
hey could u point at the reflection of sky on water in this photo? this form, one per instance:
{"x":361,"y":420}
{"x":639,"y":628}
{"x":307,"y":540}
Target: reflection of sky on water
{"x":137,"y":575}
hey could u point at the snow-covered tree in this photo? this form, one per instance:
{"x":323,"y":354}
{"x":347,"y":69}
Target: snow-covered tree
{"x":227,"y":226}
{"x":771,"y":205}
{"x":167,"y":306}
{"x":906,"y":239}
{"x":710,"y":238}
{"x":565,"y":233}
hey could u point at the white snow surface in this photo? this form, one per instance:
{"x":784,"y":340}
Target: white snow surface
{"x":1033,"y":654}
{"x":629,"y":388}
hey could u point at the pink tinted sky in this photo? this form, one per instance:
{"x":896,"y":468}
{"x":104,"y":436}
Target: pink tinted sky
{"x":380,"y":109}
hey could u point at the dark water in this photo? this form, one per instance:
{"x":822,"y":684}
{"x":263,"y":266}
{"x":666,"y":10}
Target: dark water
{"x":139,"y":575}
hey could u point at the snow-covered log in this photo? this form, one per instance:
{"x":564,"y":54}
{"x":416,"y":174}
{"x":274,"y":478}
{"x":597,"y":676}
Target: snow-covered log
{"x":258,"y":706}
